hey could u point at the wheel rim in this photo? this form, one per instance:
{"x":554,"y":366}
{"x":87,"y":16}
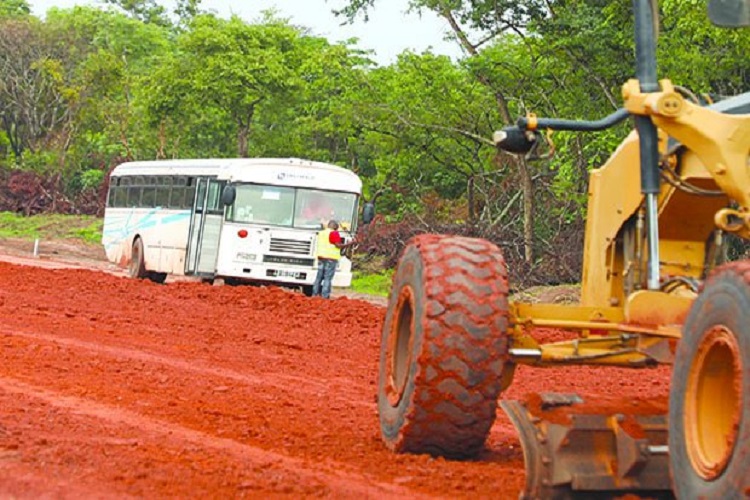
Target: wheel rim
{"x":713,"y":402}
{"x":399,"y":353}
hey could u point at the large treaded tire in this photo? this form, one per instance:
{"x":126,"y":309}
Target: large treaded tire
{"x":709,"y":400}
{"x":444,"y":346}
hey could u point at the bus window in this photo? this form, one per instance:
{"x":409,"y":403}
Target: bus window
{"x":177,"y":197}
{"x":214,"y":196}
{"x":263,"y":205}
{"x":162,"y":196}
{"x":134,"y":197}
{"x":120,"y":197}
{"x":148,"y":198}
{"x":201,"y":196}
{"x":189,"y":197}
{"x":315,"y":208}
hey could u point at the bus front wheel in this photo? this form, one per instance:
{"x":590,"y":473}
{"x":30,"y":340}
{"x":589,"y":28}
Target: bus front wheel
{"x":137,"y":267}
{"x":156,"y":277}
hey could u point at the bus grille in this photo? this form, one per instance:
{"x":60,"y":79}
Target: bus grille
{"x":282,"y":245}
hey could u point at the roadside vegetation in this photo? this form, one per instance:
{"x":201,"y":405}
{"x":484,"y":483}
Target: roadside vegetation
{"x":372,"y":283}
{"x":85,"y":88}
{"x":85,"y":229}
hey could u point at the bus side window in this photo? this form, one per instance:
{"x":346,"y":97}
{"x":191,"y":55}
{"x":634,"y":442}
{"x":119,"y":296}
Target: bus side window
{"x":162,"y":196}
{"x":164,"y":184}
{"x":111,"y":195}
{"x":189,"y":191}
{"x":148,"y":198}
{"x":177,"y":194}
{"x":134,"y":197}
{"x":189,"y":197}
{"x":120,"y":197}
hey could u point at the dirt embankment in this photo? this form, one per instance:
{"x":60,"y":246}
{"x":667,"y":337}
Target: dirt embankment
{"x":112,"y":387}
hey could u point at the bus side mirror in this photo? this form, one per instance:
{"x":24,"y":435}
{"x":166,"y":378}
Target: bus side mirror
{"x":729,"y":13}
{"x":228,"y":195}
{"x":368,"y":212}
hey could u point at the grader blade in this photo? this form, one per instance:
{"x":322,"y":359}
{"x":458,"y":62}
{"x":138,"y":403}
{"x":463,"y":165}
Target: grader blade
{"x":600,"y":454}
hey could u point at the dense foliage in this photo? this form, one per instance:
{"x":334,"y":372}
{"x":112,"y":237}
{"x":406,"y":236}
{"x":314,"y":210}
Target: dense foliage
{"x":86,"y":88}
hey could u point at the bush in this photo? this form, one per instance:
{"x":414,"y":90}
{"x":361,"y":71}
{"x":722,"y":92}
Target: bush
{"x":30,"y":193}
{"x":559,"y":259}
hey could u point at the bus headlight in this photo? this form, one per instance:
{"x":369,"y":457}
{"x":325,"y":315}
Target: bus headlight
{"x":246,"y":256}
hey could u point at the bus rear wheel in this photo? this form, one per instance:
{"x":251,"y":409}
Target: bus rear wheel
{"x":137,"y":267}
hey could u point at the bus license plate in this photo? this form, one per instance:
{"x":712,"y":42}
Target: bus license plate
{"x":287,"y":274}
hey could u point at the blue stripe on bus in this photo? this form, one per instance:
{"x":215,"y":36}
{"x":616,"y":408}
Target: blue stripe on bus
{"x":125,"y":229}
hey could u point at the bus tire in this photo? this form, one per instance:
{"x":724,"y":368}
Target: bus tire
{"x":443,"y":346}
{"x":307,"y":290}
{"x":709,"y":400}
{"x":156,"y":277}
{"x":137,"y":267}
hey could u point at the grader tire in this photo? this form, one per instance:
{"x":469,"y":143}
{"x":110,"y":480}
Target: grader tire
{"x":709,"y":401}
{"x":443,"y":347}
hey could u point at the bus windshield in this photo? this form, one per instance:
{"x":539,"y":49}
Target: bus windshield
{"x":292,"y":207}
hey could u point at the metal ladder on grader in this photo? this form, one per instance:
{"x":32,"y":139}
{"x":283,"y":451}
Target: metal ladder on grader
{"x":654,"y":290}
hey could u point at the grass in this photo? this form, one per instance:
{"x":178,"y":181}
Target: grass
{"x":85,"y":228}
{"x":372,"y":283}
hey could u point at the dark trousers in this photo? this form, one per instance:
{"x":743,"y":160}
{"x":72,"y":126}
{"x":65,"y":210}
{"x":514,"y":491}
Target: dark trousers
{"x":326,"y":270}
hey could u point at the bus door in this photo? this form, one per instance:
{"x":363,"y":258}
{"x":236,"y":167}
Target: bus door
{"x":205,"y":227}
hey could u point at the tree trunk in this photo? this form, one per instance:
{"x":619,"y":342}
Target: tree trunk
{"x":470,"y":196}
{"x":243,"y":132}
{"x":444,"y":10}
{"x":528,"y":209}
{"x":242,"y":144}
{"x":162,"y":140}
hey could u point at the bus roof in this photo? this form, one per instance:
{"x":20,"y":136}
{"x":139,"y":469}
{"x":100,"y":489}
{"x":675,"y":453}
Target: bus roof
{"x":278,"y":171}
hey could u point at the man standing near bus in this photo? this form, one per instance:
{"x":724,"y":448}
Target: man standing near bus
{"x":328,"y":252}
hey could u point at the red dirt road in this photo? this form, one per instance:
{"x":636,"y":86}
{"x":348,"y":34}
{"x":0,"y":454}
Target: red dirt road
{"x":111,"y":387}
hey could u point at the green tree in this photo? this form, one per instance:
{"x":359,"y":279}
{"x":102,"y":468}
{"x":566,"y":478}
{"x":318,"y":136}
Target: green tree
{"x":106,"y":55}
{"x":32,"y":106}
{"x":236,"y":67}
{"x":147,"y":11}
{"x":14,"y":8}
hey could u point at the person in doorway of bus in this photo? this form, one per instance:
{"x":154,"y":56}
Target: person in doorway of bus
{"x":329,"y":246}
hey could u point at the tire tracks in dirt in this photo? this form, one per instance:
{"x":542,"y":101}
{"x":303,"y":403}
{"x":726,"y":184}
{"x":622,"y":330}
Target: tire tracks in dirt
{"x":283,"y":382}
{"x":332,"y":475}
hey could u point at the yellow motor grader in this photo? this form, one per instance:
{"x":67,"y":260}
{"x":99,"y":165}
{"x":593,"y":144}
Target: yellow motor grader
{"x":655,"y":290}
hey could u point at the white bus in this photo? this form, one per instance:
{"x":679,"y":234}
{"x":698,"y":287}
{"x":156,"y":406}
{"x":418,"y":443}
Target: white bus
{"x":251,"y":220}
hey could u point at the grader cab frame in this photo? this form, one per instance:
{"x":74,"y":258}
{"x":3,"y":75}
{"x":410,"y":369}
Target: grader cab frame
{"x":652,"y":280}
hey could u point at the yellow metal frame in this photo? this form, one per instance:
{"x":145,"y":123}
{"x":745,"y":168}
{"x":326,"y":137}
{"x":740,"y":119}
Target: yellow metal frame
{"x":619,"y":322}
